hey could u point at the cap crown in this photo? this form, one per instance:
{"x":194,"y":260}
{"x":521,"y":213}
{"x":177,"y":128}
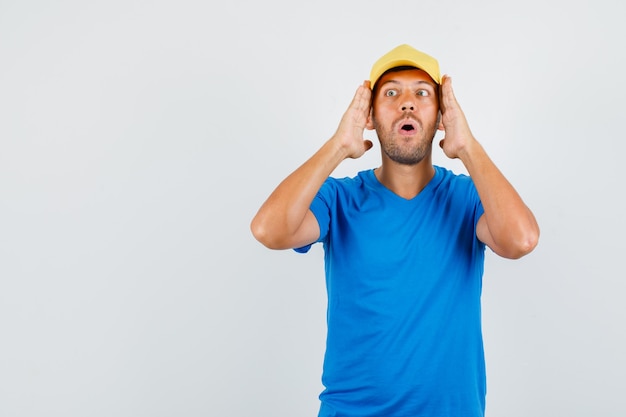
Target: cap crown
{"x":405,"y":55}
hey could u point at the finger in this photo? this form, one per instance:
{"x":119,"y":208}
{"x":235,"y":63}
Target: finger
{"x":441,"y":143}
{"x":361,"y":98}
{"x":367,"y":144}
{"x":442,"y":87}
{"x":447,"y":93}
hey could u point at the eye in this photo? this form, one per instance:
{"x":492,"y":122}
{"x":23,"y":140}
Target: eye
{"x":422,"y":93}
{"x":391,"y":93}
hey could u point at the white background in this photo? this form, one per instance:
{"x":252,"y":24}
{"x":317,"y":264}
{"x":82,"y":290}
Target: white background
{"x":138,"y":139}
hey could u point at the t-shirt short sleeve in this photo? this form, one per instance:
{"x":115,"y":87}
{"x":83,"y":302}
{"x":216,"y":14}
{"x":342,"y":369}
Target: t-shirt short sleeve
{"x":320,"y":206}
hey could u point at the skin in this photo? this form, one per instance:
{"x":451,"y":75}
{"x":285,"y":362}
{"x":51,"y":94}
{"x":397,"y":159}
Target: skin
{"x":406,"y":97}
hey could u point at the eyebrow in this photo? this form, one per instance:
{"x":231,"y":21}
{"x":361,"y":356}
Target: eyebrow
{"x":392,"y":81}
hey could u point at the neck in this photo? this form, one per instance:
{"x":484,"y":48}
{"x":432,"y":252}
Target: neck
{"x":406,"y":181}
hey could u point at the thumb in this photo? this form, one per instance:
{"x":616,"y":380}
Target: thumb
{"x":367,"y":145}
{"x":441,"y":143}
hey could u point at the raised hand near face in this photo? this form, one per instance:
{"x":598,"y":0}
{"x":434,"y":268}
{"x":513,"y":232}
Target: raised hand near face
{"x":349,"y":134}
{"x":458,"y":135}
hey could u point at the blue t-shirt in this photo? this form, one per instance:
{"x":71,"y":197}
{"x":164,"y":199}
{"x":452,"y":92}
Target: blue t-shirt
{"x":404,"y":280}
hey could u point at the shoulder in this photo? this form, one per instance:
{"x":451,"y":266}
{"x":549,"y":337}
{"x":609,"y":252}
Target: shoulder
{"x":447,"y":175}
{"x":349,"y":184}
{"x":347,"y":191}
{"x":456,"y":189}
{"x":448,"y":179}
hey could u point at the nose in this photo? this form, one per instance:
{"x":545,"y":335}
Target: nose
{"x":407,"y":103}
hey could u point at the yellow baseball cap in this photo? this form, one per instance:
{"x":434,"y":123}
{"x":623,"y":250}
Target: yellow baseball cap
{"x":405,"y":55}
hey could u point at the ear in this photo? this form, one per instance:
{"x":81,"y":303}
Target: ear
{"x":440,"y":122}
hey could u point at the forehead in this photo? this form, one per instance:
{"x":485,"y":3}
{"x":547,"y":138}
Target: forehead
{"x":406,"y":76}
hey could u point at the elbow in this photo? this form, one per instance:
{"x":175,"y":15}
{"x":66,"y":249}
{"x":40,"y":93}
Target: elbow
{"x":262,"y":233}
{"x":520,"y":250}
{"x":521,"y":246}
{"x":259,"y":231}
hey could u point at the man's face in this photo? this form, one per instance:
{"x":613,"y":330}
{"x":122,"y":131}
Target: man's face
{"x":405,"y":112}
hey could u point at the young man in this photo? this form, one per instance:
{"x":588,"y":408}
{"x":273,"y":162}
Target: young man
{"x":404,"y":246}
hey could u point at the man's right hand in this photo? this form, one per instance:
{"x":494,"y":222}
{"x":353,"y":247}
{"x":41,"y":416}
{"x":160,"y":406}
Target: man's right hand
{"x":349,"y":134}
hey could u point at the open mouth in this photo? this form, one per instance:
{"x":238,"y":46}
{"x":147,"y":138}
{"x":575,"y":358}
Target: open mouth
{"x":407,"y":127}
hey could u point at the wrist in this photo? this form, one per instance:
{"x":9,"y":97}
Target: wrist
{"x":470,"y":151}
{"x":340,"y":146}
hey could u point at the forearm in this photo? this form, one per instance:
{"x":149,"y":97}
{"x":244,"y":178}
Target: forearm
{"x":511,"y":225}
{"x":281,"y":216}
